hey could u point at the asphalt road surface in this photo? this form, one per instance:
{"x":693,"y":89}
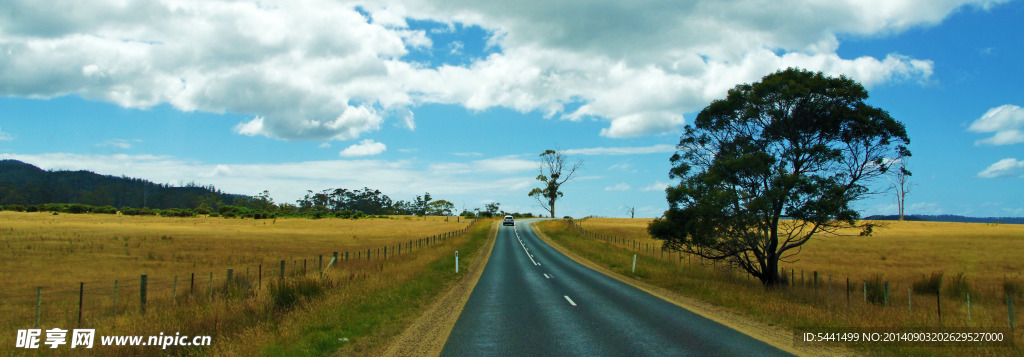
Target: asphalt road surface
{"x":533,"y":301}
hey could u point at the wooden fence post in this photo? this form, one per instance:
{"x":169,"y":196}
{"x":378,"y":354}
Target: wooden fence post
{"x":885,"y":299}
{"x":142,"y":294}
{"x":227,"y":281}
{"x":81,"y":293}
{"x":282,"y":269}
{"x":1009,"y":310}
{"x":968,"y":306}
{"x":39,"y":304}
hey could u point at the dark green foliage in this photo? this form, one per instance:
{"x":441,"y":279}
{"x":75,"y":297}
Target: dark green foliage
{"x":876,"y":290}
{"x":367,"y":200}
{"x":104,"y":209}
{"x":287,"y":293}
{"x":773,"y":164}
{"x":931,"y":285}
{"x":948,"y":218}
{"x":491,"y":209}
{"x":174,"y":212}
{"x":25,"y":184}
{"x":77,"y":208}
{"x":26,"y":188}
{"x":1012,"y":288}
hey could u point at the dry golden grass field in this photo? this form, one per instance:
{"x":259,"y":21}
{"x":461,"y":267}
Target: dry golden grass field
{"x":987,"y":254}
{"x":58,"y":252}
{"x":900,"y":254}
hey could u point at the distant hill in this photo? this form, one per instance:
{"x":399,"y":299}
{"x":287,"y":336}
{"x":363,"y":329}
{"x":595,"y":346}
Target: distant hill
{"x":949,"y":218}
{"x":26,"y":184}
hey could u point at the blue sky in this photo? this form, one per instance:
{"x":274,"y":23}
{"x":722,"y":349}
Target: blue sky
{"x":459,"y":98}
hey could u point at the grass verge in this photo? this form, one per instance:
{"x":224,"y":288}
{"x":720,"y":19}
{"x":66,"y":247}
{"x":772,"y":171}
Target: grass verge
{"x":353,"y":308}
{"x":361,"y":317}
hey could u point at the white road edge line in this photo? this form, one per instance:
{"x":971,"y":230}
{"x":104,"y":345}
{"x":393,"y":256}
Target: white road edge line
{"x":524,"y":247}
{"x":570,"y":300}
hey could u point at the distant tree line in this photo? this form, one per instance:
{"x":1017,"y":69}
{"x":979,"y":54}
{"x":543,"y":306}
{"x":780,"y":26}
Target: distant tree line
{"x":25,"y":184}
{"x":948,"y":218}
{"x":27,"y":188}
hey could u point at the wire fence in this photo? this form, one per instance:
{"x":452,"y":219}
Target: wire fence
{"x":87,"y":304}
{"x":959,"y":304}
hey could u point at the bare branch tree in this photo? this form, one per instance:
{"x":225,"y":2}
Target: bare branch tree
{"x":900,"y":181}
{"x":554,"y":171}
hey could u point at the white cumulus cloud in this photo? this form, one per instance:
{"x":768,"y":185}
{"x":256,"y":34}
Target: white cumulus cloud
{"x":325,"y":70}
{"x":653,"y":149}
{"x":622,"y":186}
{"x":1006,"y":122}
{"x":1003,"y":168}
{"x":366,"y":147}
{"x":118,"y":143}
{"x":656,"y":186}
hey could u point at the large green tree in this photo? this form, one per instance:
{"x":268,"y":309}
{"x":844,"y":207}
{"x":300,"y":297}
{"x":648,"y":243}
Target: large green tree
{"x":554,"y":171}
{"x":441,"y":208}
{"x":773,"y":164}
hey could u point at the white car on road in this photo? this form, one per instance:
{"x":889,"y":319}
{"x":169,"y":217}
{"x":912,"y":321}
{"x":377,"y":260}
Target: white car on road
{"x":509,"y":221}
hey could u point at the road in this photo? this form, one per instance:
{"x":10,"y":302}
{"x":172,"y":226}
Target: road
{"x":534,"y":301}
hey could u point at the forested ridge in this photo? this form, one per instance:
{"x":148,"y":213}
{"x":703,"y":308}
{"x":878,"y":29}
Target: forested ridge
{"x":26,"y":184}
{"x":25,"y":187}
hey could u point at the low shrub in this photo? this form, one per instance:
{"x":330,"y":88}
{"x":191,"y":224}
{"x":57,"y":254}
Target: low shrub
{"x":174,"y":212}
{"x":108,"y":209}
{"x":931,"y":285}
{"x":958,"y":287}
{"x":1012,"y":288}
{"x":288,"y":293}
{"x":77,"y":208}
{"x":876,"y":290}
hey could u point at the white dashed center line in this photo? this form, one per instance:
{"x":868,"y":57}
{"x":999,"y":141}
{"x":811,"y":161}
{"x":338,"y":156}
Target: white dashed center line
{"x":524,"y":247}
{"x":546,"y":276}
{"x":569,"y":300}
